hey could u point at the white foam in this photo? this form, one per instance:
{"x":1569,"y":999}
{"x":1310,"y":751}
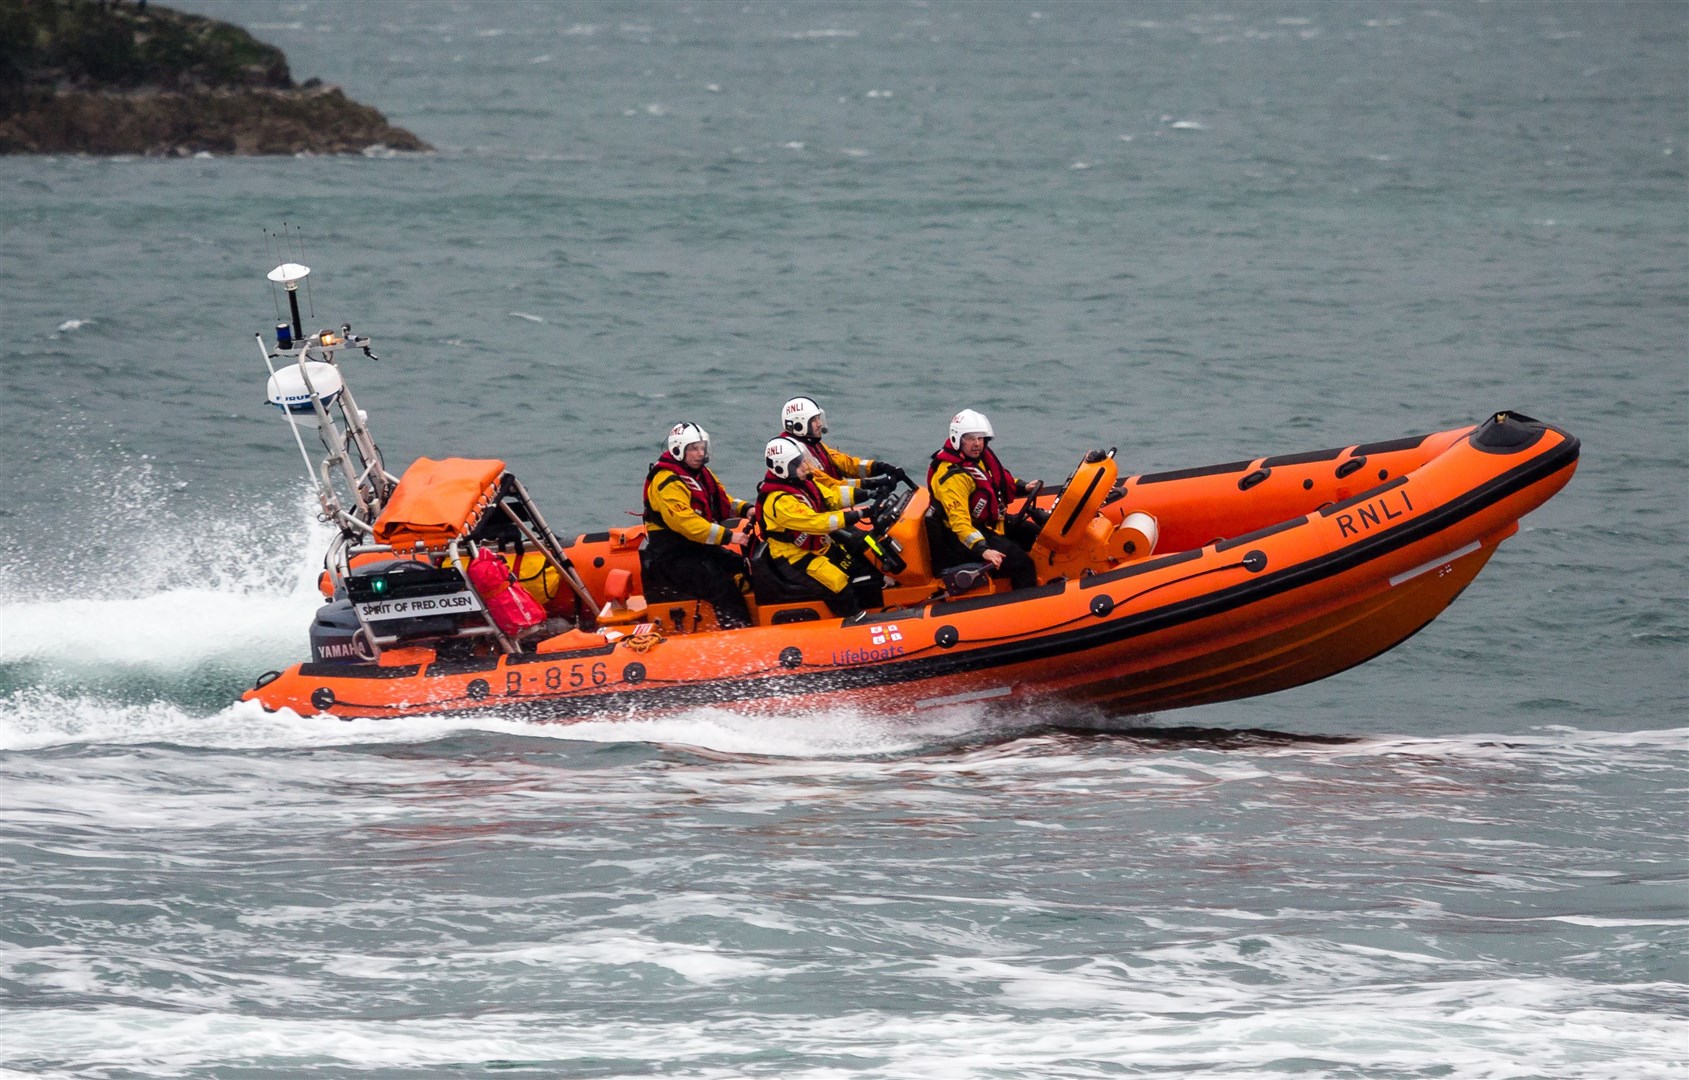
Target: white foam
{"x":842,"y":732}
{"x":1594,"y":921}
{"x":35,"y":718}
{"x":1370,"y":1031}
{"x":190,"y":595}
{"x":701,"y":964}
{"x":171,"y":630}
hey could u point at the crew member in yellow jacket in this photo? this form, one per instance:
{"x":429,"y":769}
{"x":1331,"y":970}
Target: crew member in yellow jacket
{"x":967,"y":521}
{"x":804,"y":420}
{"x":796,"y":514}
{"x":689,"y":516}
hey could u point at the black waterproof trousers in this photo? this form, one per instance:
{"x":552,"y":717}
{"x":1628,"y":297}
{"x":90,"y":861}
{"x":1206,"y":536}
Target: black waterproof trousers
{"x":947,"y":551}
{"x":675,"y":568}
{"x":780,"y":582}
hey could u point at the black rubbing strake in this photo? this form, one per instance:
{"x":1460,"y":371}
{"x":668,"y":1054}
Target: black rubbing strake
{"x":1192,"y":474}
{"x":1303,"y":459}
{"x":1390,"y":446}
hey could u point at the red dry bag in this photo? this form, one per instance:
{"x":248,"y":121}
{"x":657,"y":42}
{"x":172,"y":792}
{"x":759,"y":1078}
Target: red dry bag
{"x":507,"y":602}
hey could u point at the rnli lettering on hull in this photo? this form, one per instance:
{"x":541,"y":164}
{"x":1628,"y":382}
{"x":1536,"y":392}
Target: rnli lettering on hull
{"x":1368,"y":516}
{"x":418,"y":606}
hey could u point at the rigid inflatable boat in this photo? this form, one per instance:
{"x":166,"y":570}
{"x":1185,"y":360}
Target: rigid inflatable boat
{"x":1154,"y":592}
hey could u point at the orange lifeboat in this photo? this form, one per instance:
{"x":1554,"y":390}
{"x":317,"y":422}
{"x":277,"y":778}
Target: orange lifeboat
{"x":1155,"y":592}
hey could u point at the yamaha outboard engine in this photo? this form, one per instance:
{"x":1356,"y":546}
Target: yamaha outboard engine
{"x":336,"y":637}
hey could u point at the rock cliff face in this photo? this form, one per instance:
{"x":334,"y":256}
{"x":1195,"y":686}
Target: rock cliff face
{"x":127,"y":77}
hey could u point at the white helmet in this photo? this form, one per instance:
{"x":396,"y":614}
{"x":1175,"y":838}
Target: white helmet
{"x":968,"y":422}
{"x":684,"y":434}
{"x":782,"y":455}
{"x":796,"y":415}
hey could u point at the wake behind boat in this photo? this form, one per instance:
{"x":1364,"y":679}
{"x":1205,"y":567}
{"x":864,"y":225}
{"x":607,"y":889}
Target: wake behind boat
{"x":1153,"y":592}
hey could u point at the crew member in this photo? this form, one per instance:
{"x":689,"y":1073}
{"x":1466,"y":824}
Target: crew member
{"x":804,"y":420}
{"x":796,"y":513}
{"x":970,"y":498}
{"x":689,"y":516}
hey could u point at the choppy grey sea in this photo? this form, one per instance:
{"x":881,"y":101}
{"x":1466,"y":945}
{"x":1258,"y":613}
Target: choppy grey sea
{"x":1196,"y":231}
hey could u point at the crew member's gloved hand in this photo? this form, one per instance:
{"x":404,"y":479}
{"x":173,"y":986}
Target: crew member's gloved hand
{"x":877,"y":483}
{"x":886,"y":468}
{"x":851,"y":517}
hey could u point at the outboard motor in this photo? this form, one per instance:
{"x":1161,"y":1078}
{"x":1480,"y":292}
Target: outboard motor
{"x":336,"y":637}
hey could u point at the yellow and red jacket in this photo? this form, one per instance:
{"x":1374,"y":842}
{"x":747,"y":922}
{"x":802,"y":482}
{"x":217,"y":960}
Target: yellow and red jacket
{"x":690,"y":504}
{"x":833,"y":468}
{"x":797,"y":515}
{"x":972,"y":495}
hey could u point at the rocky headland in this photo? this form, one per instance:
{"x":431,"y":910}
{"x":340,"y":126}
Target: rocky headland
{"x":128,"y":77}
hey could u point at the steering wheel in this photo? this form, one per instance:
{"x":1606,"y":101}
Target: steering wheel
{"x":888,"y":509}
{"x":1016,"y":520}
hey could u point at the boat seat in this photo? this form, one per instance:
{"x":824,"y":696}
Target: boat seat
{"x":967,"y":578}
{"x":622,"y":607}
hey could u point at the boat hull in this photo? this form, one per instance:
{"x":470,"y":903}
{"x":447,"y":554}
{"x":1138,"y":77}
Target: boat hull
{"x":1328,"y":574}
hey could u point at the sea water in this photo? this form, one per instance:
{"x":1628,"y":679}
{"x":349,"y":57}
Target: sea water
{"x":1195,"y":232}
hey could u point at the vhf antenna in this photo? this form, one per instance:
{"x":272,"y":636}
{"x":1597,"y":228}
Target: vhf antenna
{"x":288,"y":275}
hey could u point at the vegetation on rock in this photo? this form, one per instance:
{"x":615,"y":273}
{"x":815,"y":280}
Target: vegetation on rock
{"x":127,"y":77}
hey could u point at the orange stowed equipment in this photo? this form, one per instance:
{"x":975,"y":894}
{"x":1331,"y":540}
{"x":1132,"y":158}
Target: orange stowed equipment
{"x":621,"y":607}
{"x":438,"y":501}
{"x":511,"y":608}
